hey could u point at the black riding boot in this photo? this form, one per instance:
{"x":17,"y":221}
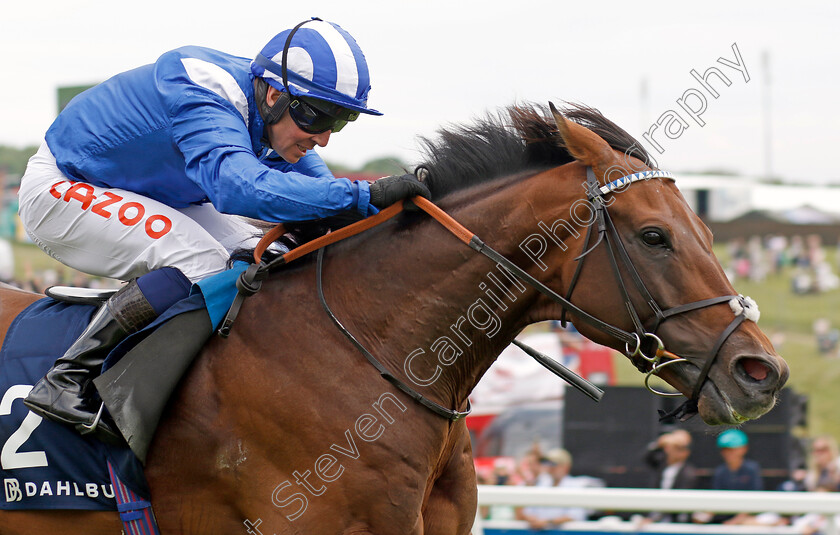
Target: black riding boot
{"x":66,"y":393}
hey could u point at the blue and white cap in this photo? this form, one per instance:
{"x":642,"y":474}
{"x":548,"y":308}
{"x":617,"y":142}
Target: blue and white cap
{"x":323,"y":61}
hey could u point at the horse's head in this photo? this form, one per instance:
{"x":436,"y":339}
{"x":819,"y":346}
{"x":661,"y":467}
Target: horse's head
{"x":671,"y":282}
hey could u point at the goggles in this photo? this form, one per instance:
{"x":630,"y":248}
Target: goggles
{"x":315,"y":116}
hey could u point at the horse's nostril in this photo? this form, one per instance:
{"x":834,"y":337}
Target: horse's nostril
{"x":756,"y":369}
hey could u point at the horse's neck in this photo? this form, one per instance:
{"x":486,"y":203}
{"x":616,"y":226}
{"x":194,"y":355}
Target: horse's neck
{"x":434,"y":311}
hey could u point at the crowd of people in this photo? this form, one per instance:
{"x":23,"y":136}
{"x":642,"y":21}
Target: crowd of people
{"x":669,"y":460}
{"x":550,"y":469}
{"x":803,"y":258}
{"x":38,"y":280}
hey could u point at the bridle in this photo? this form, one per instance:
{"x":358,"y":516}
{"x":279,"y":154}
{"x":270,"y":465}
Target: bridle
{"x":647,"y":351}
{"x":647,"y":357}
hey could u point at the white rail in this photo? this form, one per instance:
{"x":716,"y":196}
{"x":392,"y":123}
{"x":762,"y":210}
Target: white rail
{"x":644,"y":500}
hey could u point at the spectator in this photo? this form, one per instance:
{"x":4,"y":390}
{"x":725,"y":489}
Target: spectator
{"x":669,"y":457}
{"x":777,"y":246}
{"x":736,"y":472}
{"x":670,"y":460}
{"x":827,"y":337}
{"x":559,"y":464}
{"x":822,"y":475}
{"x":824,"y":472}
{"x":796,"y":482}
{"x":528,"y":468}
{"x":502,"y":469}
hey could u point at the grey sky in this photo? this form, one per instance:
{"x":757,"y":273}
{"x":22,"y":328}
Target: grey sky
{"x":439,"y":62}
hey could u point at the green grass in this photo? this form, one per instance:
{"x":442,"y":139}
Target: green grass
{"x":29,"y":258}
{"x":30,"y":261}
{"x":788,"y":319}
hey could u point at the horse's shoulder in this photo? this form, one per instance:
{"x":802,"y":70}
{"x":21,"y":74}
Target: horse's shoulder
{"x":12,"y":301}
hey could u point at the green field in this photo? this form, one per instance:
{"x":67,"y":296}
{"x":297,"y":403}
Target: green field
{"x":30,"y":261}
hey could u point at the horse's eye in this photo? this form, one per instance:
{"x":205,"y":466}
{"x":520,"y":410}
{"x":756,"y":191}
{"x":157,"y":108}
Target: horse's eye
{"x":653,"y":237}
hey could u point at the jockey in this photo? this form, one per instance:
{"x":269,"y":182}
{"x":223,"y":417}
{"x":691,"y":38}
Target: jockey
{"x":142,"y":177}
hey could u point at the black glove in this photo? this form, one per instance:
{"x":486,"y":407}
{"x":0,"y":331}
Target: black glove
{"x":388,"y":190}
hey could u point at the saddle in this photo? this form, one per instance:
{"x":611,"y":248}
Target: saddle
{"x":140,"y":374}
{"x":79,"y":296}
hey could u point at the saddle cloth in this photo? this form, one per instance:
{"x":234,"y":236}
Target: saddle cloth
{"x":45,"y":465}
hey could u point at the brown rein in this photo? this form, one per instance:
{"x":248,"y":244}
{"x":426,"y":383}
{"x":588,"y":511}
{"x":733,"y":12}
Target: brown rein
{"x":360,"y":226}
{"x":249,"y":283}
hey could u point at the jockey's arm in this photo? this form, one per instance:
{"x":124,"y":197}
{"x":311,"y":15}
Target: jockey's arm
{"x":217,"y":149}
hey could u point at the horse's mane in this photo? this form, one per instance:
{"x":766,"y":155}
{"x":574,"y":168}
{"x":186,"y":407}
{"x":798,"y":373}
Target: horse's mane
{"x":516,"y":139}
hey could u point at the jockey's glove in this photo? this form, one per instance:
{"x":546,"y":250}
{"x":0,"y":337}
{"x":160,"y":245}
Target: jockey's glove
{"x":388,"y":190}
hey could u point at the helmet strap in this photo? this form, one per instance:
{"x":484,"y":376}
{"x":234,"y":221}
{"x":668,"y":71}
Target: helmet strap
{"x":273,"y":114}
{"x":270,"y":114}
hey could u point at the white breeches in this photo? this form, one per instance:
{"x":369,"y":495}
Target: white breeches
{"x":116,"y":233}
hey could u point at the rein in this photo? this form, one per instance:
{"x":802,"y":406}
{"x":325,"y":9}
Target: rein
{"x":251,"y":279}
{"x":436,"y":408}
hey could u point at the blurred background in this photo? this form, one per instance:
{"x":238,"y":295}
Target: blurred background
{"x":738,"y":99}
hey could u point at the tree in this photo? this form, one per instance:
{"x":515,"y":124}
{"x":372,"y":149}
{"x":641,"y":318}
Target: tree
{"x":13,"y":160}
{"x":388,"y":165}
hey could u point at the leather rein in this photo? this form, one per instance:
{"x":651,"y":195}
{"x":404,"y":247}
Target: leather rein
{"x":251,"y":279}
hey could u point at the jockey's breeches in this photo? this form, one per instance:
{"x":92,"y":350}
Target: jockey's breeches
{"x":115,"y":233}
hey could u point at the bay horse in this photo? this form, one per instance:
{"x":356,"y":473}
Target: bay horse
{"x":285,"y":428}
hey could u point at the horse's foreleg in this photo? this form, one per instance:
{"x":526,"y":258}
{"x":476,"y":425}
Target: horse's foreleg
{"x":450,"y":507}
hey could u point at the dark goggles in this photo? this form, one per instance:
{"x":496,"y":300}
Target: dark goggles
{"x":314,"y":116}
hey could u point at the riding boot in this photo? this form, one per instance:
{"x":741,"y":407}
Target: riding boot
{"x":66,"y":393}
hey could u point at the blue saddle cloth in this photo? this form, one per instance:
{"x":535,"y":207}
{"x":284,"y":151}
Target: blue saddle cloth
{"x":45,"y":465}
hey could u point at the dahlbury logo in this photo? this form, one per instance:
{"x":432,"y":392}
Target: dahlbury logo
{"x":12,"y":488}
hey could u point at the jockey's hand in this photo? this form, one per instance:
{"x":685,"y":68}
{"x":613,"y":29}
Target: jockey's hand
{"x":388,"y":190}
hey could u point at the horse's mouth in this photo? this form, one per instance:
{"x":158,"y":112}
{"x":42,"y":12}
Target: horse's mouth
{"x":750,"y":392}
{"x":715,"y":407}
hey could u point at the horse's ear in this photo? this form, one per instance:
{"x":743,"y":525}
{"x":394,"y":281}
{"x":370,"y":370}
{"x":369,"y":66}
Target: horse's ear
{"x":583,"y":144}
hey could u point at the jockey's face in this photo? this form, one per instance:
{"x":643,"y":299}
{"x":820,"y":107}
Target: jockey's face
{"x":289,"y":141}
